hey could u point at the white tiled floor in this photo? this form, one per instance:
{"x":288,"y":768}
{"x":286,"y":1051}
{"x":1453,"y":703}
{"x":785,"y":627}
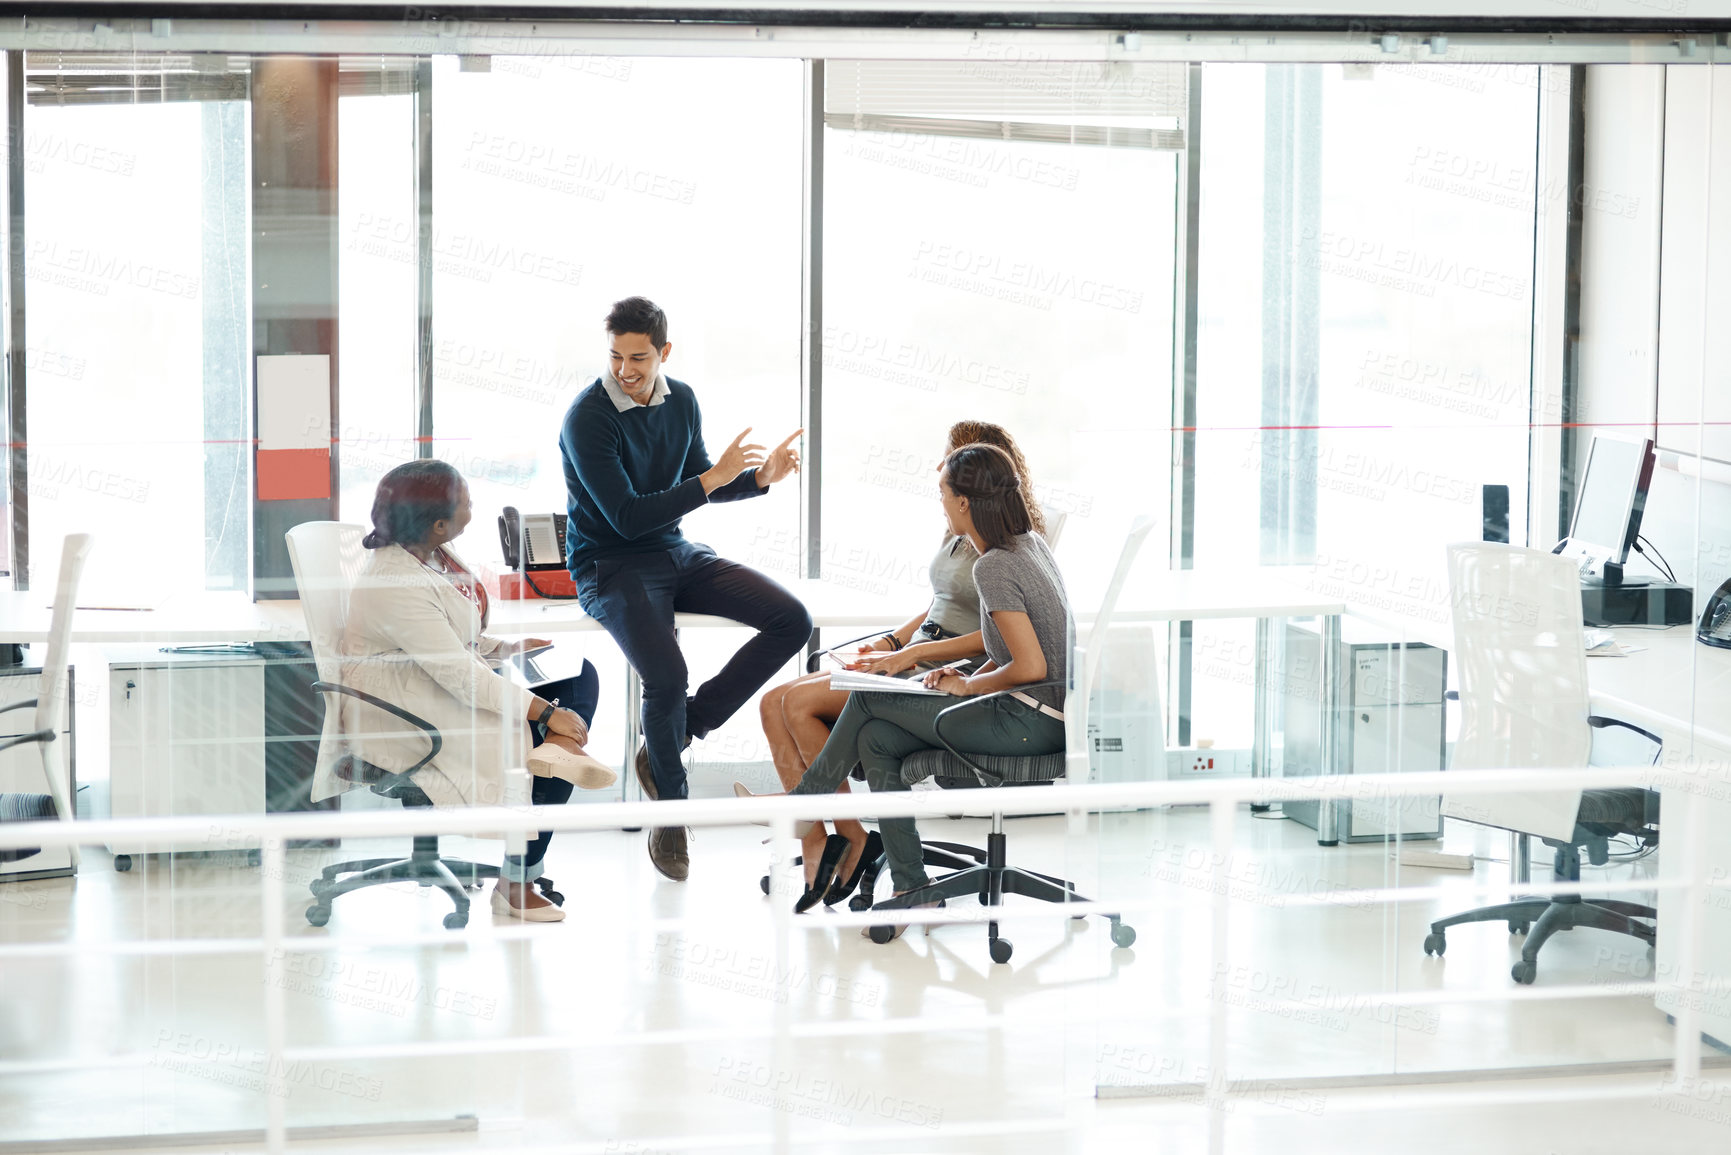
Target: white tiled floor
{"x":920,"y":1045}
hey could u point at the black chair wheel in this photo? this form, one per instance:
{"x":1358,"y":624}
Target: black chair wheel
{"x":1434,"y":943}
{"x":1524,"y":971}
{"x":545,"y":885}
{"x":319,"y":885}
{"x":1519,"y":927}
{"x":1123,"y":935}
{"x":763,"y":883}
{"x":883,"y":934}
{"x":983,"y":900}
{"x":318,"y":914}
{"x":860,"y":902}
{"x":1001,"y":950}
{"x":123,"y":862}
{"x":254,"y":857}
{"x":457,"y":920}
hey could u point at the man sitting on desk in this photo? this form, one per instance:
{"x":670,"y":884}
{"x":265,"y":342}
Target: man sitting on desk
{"x":635,"y":464}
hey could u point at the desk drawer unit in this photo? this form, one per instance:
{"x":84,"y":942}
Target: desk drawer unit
{"x":1387,"y":718}
{"x":186,"y":738}
{"x":21,"y":766}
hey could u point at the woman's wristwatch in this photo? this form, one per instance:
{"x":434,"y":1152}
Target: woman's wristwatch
{"x":546,"y":714}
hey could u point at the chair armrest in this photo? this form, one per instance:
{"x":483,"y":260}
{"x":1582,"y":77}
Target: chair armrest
{"x":811,"y":662}
{"x":949,"y":713}
{"x":418,"y":723}
{"x":25,"y":704}
{"x":19,"y":740}
{"x":1599,"y":723}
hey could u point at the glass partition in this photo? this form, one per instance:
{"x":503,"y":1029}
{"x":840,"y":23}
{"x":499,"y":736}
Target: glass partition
{"x":1282,"y":332}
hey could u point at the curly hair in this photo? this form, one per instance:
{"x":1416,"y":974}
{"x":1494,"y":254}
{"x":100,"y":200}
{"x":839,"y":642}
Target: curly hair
{"x":985,"y":433}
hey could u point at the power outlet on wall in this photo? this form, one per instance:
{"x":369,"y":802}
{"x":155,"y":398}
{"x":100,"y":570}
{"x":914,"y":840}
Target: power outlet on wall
{"x":1206,"y":762}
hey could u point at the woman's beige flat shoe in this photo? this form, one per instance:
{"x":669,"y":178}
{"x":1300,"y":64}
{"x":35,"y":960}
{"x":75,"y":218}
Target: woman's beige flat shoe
{"x":503,"y":908}
{"x":550,"y":761}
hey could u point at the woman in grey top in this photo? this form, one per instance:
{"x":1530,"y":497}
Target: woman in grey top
{"x":1027,"y":629}
{"x":797,"y":715}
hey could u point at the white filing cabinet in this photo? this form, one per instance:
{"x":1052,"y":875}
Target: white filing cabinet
{"x":21,"y":766}
{"x":186,"y":736}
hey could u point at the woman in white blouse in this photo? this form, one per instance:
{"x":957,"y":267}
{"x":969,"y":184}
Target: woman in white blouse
{"x":414,"y":638}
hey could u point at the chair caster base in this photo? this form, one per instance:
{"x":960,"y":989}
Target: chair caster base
{"x":763,"y":884}
{"x":123,"y":862}
{"x":318,"y":914}
{"x":1001,"y":950}
{"x":1524,"y":972}
{"x":1122,"y":936}
{"x":1434,"y":943}
{"x":457,"y":920}
{"x":883,"y":934}
{"x":1519,"y":927}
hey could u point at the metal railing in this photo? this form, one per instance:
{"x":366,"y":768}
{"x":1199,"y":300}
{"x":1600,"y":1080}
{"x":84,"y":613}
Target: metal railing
{"x":1684,"y":863}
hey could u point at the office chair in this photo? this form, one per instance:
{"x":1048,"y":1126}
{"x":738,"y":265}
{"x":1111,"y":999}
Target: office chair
{"x":1523,"y":697}
{"x":23,"y":808}
{"x":987,"y":873}
{"x":945,"y":855}
{"x":50,"y":704}
{"x":326,"y":557}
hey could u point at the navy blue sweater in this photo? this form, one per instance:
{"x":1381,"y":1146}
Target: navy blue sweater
{"x":632,"y":475}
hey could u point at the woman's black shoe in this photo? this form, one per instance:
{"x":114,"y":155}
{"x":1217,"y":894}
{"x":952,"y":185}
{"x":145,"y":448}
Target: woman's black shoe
{"x":874,"y":847}
{"x":833,"y":848}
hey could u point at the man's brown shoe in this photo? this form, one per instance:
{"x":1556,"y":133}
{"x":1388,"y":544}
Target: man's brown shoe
{"x":667,"y":851}
{"x":645,"y":775}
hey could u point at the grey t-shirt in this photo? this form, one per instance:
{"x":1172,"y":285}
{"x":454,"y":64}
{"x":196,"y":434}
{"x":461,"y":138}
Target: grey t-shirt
{"x":1024,"y":578}
{"x":955,"y":601}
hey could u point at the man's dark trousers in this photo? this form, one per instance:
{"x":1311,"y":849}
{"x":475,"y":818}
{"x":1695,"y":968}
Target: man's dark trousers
{"x":634,"y":597}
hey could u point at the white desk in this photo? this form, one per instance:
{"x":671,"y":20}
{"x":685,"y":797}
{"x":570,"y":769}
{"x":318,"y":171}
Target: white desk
{"x":1681,"y":690}
{"x":1152,"y":595}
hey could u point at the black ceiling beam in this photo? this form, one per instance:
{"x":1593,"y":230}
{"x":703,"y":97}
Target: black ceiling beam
{"x":821,"y":16}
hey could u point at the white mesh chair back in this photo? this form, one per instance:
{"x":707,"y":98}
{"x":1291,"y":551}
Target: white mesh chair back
{"x":1087,"y":656}
{"x":51,"y":694}
{"x":1054,"y":519}
{"x":326,"y":557}
{"x":1522,"y":665}
{"x":51,"y":703}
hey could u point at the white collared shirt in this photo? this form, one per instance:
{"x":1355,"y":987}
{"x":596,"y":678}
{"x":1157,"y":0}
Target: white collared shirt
{"x":622,"y":401}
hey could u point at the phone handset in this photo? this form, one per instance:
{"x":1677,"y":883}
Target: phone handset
{"x":1715,"y":627}
{"x":511,"y":537}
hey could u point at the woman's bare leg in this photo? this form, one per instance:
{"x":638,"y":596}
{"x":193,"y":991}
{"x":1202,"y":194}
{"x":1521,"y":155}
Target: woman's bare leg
{"x":789,"y":763}
{"x":810,"y":708}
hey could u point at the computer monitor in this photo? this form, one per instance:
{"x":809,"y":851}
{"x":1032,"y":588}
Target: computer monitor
{"x":1608,"y":505}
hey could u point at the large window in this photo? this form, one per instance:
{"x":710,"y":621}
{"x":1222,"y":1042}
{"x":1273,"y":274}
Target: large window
{"x":998,"y":246}
{"x":1364,"y":341}
{"x":378,"y":310}
{"x":565,"y":183}
{"x":131,"y":351}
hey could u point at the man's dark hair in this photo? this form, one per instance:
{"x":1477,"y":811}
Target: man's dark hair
{"x":410,"y":499}
{"x":997,"y":501}
{"x":638,"y":315}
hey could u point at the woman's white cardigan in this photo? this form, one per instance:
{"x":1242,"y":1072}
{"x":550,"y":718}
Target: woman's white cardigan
{"x":414,"y":641}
